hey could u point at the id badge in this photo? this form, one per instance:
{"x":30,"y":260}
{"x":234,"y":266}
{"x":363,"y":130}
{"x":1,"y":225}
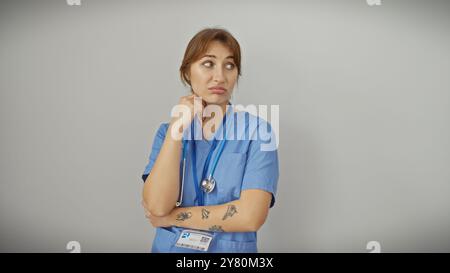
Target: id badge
{"x":194,"y":239}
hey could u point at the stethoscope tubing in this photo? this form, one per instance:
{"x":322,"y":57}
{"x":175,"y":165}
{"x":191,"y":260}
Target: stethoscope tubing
{"x":216,"y":160}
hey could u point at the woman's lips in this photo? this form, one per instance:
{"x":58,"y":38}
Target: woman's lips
{"x":217,"y":90}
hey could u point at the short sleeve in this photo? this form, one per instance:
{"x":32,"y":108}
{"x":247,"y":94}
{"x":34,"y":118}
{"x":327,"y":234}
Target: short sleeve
{"x":156,"y":147}
{"x":261,"y":170}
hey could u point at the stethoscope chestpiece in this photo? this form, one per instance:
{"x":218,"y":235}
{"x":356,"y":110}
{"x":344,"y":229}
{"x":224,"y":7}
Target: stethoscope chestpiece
{"x":208,"y":185}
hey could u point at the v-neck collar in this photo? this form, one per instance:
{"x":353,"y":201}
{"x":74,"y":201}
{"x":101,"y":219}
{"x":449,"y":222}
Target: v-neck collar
{"x":198,"y":124}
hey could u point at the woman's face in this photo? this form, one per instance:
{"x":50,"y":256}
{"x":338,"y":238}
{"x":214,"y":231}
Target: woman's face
{"x":213,"y":76}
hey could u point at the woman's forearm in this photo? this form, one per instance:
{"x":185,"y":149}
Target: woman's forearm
{"x":161,"y":188}
{"x":229,"y":217}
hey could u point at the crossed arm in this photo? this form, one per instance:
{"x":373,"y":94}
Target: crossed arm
{"x":246,"y":214}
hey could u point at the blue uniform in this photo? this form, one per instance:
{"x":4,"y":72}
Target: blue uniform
{"x":249,"y":161}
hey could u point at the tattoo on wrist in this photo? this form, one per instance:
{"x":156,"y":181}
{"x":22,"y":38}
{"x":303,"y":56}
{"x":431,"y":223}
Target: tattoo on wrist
{"x":183,"y":216}
{"x":205,"y":214}
{"x":216,"y":228}
{"x":230,"y":212}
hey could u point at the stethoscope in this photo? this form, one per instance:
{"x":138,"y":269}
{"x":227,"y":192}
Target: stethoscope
{"x":208,"y":183}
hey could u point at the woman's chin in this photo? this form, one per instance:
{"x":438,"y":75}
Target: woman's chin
{"x":216,"y":99}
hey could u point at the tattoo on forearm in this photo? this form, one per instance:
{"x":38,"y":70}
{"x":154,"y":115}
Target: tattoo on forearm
{"x":216,"y":228}
{"x":183,"y":216}
{"x":205,"y":214}
{"x":230,"y":212}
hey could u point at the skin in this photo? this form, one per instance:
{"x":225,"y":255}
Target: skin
{"x":215,"y":68}
{"x":160,"y":193}
{"x":248,"y":214}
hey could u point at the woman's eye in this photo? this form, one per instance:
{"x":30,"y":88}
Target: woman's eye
{"x":208,"y":64}
{"x":230,"y":66}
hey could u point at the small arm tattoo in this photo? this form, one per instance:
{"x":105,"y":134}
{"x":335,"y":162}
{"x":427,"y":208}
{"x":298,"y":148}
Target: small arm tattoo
{"x":183,"y":216}
{"x":216,"y":228}
{"x":205,"y":214}
{"x":230,"y":212}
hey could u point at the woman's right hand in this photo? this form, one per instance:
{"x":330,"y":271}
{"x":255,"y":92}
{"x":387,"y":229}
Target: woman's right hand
{"x":188,"y":106}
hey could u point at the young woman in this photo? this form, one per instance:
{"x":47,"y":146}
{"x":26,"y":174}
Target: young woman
{"x":209,"y":184}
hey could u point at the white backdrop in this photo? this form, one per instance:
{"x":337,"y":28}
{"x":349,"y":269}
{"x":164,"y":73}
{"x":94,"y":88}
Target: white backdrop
{"x":364,"y":118}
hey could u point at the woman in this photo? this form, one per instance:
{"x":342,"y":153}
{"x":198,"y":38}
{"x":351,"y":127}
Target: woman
{"x":228,"y":183}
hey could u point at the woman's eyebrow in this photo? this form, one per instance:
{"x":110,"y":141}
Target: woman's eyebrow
{"x":214,"y":56}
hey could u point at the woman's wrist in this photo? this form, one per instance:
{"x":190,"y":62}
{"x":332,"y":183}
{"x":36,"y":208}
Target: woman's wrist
{"x":176,"y":129}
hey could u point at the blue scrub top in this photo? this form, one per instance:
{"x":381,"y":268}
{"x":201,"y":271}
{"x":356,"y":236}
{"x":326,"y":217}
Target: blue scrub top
{"x":249,"y":161}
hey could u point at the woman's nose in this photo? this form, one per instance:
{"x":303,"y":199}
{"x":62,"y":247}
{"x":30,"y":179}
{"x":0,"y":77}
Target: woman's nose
{"x":218,"y":75}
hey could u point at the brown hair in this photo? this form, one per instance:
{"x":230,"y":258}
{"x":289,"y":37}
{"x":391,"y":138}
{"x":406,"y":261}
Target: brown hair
{"x":199,"y":44}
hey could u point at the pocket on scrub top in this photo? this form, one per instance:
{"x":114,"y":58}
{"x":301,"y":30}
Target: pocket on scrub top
{"x":163,"y":241}
{"x":229,"y":173}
